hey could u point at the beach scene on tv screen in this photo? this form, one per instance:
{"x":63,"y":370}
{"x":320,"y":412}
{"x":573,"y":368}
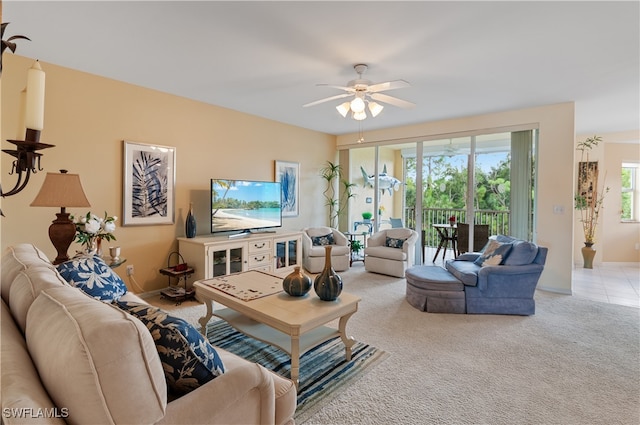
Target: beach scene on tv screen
{"x":243,"y":205}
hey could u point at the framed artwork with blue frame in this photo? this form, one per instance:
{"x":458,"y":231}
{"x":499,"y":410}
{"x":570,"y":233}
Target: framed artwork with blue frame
{"x":149,"y":184}
{"x":288,"y":174}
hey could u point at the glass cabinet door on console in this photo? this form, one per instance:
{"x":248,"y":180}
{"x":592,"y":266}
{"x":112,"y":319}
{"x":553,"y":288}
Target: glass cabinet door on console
{"x":227,"y":259}
{"x":287,"y":252}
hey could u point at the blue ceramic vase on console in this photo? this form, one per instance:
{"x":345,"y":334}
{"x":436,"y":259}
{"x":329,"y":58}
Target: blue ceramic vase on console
{"x":190,"y":223}
{"x":297,"y":284}
{"x":328,"y":284}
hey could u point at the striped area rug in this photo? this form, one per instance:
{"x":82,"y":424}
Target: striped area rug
{"x":323,"y":370}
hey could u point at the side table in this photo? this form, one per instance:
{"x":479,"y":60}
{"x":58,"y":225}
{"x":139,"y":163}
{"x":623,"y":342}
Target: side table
{"x":354,"y":237}
{"x":113,"y":264}
{"x":368,"y":224}
{"x":178,"y":293}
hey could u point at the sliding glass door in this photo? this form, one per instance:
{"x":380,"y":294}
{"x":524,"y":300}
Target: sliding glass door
{"x":484,"y":180}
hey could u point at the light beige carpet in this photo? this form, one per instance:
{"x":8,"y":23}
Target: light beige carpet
{"x":574,"y":362}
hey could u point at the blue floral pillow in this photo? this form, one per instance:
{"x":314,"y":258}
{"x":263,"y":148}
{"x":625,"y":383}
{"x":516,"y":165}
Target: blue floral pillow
{"x":188,"y":359}
{"x":323,"y":240}
{"x":92,"y":275}
{"x":394,"y":243}
{"x":494,"y":254}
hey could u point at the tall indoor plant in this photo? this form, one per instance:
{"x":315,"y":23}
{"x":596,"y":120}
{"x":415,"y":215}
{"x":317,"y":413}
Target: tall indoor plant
{"x":337,"y":202}
{"x":588,"y":198}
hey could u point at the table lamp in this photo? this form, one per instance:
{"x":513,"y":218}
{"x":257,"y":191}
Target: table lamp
{"x":61,"y":190}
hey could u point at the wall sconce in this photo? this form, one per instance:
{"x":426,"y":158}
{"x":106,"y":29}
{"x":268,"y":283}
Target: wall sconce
{"x":61,"y":190}
{"x":27,"y":157}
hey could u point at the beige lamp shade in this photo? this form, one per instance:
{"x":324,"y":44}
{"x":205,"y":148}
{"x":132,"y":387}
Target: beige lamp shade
{"x":61,"y":190}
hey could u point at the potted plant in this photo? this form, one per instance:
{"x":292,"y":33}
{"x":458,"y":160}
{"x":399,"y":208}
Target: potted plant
{"x":332,"y":173}
{"x":366,"y":216}
{"x":356,"y":246}
{"x":589,"y":199}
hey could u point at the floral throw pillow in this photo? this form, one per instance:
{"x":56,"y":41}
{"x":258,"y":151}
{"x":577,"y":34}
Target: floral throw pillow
{"x":494,"y":254}
{"x":394,"y":243}
{"x":323,"y":240}
{"x":93,"y":276}
{"x":188,"y":359}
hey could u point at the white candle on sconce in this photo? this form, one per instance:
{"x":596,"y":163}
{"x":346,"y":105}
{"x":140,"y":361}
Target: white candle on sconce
{"x":34,"y":111}
{"x":23,"y":105}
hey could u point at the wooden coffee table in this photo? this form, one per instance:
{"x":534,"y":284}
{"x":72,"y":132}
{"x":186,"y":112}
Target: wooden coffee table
{"x":293,"y":324}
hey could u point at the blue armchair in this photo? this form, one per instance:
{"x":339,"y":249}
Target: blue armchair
{"x":506,"y":288}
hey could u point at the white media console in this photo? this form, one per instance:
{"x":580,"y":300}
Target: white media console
{"x":211,"y":256}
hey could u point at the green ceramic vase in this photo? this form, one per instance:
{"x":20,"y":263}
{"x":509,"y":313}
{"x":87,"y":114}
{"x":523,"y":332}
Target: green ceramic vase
{"x":328,"y":284}
{"x":296,"y":284}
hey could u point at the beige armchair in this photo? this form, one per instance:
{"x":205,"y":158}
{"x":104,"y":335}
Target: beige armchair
{"x":313,"y":253}
{"x":382,"y":257}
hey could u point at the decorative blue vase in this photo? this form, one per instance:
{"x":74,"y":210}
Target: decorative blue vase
{"x":328,"y":284}
{"x":297,"y":284}
{"x":190,"y":223}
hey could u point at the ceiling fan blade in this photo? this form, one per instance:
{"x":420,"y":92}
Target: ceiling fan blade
{"x":327,"y":99}
{"x":392,"y":100}
{"x":389,"y":85}
{"x":349,"y":89}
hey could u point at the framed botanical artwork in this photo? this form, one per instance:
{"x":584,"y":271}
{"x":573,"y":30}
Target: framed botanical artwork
{"x":288,"y":174}
{"x":149,"y":184}
{"x":587,"y":180}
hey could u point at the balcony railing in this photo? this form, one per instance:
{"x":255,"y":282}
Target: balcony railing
{"x":498,"y":221}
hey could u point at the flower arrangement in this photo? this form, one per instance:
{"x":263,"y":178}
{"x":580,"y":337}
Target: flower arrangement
{"x":452,"y":220}
{"x":381,"y":210}
{"x":367,"y":215}
{"x":589,"y":202}
{"x":90,"y":229}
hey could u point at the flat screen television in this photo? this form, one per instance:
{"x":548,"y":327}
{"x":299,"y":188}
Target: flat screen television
{"x":245,"y":205}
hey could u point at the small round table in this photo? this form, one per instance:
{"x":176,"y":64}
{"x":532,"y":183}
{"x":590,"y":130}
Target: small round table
{"x":353,"y":237}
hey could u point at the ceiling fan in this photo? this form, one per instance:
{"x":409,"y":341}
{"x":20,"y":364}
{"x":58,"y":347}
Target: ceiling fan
{"x":365,"y":94}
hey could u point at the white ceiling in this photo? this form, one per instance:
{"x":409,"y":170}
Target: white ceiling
{"x":265,"y":58}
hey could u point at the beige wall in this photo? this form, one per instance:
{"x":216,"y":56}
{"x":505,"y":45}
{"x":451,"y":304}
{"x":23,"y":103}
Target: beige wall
{"x":88,"y":117}
{"x":555,"y":179}
{"x":618,"y":239}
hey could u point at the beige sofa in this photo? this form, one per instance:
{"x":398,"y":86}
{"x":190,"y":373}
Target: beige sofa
{"x":68,"y":358}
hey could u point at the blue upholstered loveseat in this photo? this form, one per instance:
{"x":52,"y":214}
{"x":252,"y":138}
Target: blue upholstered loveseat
{"x":504,"y":288}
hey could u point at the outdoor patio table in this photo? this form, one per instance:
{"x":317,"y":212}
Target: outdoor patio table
{"x":447,"y":233}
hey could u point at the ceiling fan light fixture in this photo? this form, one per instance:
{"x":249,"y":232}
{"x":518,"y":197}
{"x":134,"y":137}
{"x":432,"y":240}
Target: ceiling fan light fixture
{"x":357,"y":105}
{"x":359,"y":116}
{"x":375,"y":108}
{"x":343,"y":108}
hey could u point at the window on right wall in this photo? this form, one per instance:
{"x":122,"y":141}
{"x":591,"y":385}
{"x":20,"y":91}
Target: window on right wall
{"x":630,"y":198}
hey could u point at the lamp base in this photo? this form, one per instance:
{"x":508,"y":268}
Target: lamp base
{"x":62,"y":232}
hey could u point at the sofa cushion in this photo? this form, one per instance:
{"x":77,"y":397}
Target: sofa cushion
{"x":318,"y":231}
{"x":504,"y":238}
{"x":521,"y":253}
{"x":16,"y":259}
{"x":385,"y":252}
{"x":394,"y":242}
{"x":336,"y":250}
{"x":323,"y":240}
{"x":26,"y":288}
{"x":465,"y":271}
{"x":93,"y":276}
{"x":94,"y":359}
{"x":401,"y":233}
{"x":494,"y":254}
{"x":21,"y":387}
{"x":187,"y":357}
